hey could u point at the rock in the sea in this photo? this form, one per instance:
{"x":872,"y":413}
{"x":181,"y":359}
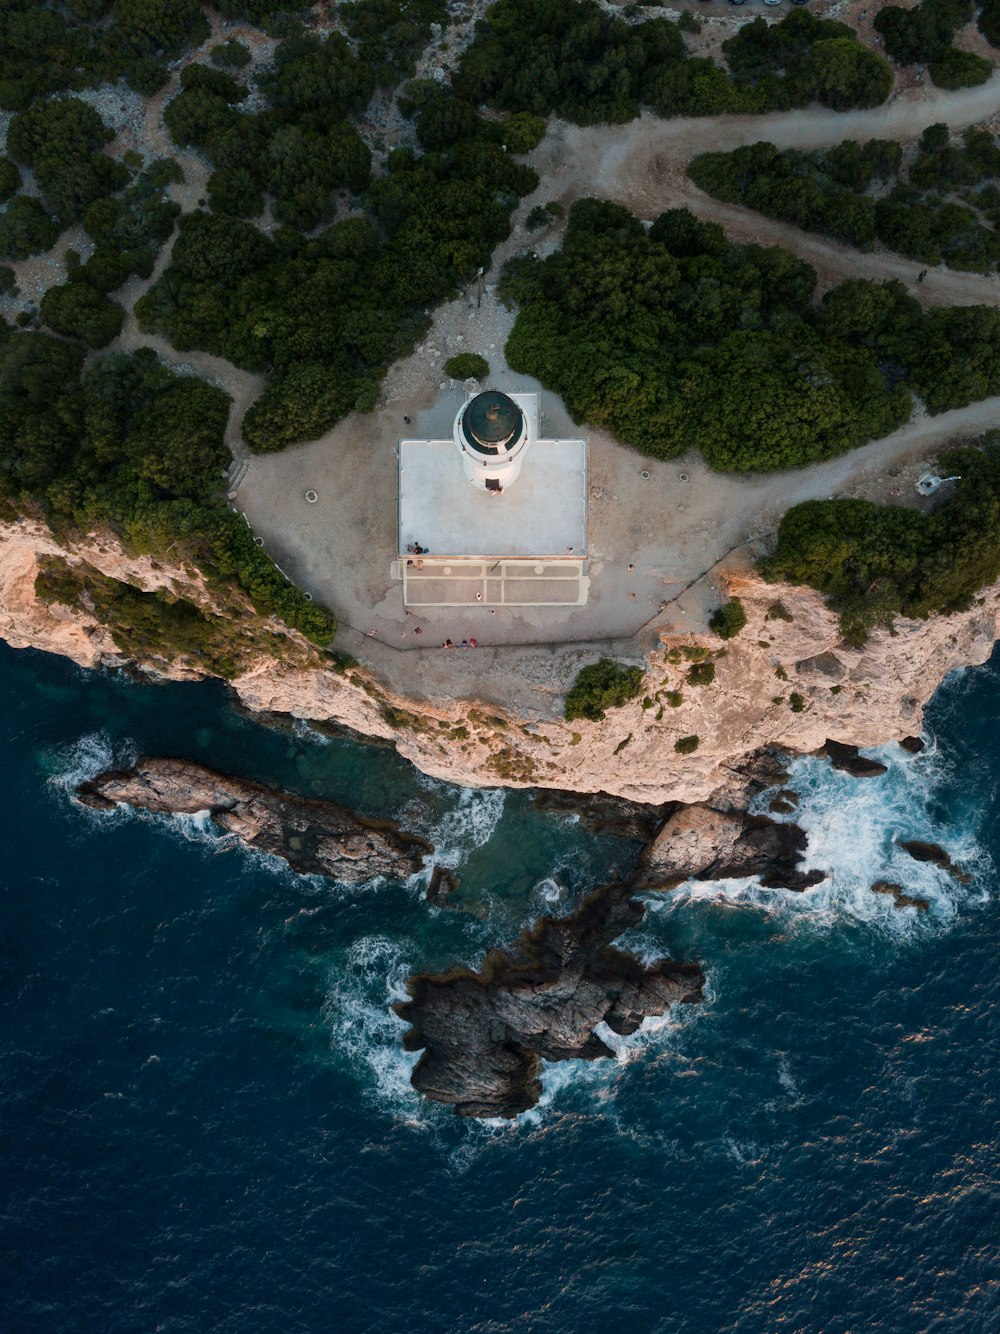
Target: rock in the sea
{"x":484,"y":1035}
{"x":899,"y":895}
{"x":783,"y":802}
{"x":441,"y":886}
{"x":604,"y":814}
{"x":933,"y":852}
{"x":848,"y":759}
{"x":913,"y":744}
{"x":700,"y":843}
{"x":315,"y":837}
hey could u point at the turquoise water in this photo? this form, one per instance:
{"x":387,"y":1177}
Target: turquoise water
{"x":207,"y":1119}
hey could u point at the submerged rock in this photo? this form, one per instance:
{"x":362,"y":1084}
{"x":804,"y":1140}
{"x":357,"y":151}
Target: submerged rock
{"x":783,"y":802}
{"x":848,"y":759}
{"x":934,"y":852}
{"x":485,"y":1034}
{"x":314,"y":837}
{"x":899,"y":896}
{"x":701,"y":843}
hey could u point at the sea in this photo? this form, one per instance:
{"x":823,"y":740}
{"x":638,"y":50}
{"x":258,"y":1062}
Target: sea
{"x":207,"y":1120}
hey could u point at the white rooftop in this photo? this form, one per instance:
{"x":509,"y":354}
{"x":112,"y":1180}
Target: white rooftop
{"x":543,"y":514}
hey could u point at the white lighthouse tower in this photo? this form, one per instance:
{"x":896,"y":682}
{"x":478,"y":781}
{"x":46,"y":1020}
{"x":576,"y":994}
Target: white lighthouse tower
{"x":492,"y":433}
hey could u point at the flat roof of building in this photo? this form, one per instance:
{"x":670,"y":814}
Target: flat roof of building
{"x":543,"y":514}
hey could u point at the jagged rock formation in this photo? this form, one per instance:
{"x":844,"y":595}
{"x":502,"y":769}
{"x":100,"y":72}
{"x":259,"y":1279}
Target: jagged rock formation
{"x":701,"y":843}
{"x":616,"y":817}
{"x":899,"y":896}
{"x":846,"y":757}
{"x":314,"y":837}
{"x":935,"y":853}
{"x":485,"y":1034}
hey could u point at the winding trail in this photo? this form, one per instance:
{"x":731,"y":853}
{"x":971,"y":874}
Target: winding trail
{"x":643,"y":166}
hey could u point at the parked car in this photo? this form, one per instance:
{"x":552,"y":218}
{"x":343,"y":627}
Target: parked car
{"x":772,"y":2}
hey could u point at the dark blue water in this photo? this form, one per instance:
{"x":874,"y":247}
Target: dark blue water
{"x":207,"y":1124}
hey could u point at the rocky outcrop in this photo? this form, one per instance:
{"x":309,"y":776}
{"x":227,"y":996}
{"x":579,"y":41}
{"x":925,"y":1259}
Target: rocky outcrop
{"x":485,"y":1034}
{"x":700,"y":843}
{"x":934,"y":853}
{"x":899,"y":896}
{"x":614,"y":817}
{"x":314,"y":837}
{"x":845,"y":757}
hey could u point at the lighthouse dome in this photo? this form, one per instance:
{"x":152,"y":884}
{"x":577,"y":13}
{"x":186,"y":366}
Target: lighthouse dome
{"x":492,"y":423}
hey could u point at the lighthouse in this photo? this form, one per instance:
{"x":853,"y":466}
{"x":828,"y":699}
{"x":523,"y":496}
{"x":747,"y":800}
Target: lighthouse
{"x":492,"y":433}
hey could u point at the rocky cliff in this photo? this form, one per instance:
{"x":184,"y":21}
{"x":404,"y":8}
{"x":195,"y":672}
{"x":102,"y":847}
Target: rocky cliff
{"x":787,"y":679}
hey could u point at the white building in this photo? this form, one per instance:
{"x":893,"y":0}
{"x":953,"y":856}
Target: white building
{"x":497,"y":515}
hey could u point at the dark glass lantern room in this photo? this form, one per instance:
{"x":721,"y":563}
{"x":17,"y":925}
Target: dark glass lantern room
{"x":492,"y":423}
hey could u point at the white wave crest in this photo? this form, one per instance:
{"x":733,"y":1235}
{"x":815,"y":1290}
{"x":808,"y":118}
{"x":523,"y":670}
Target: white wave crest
{"x":365,"y":1031}
{"x":86,"y":757}
{"x":468,"y":825}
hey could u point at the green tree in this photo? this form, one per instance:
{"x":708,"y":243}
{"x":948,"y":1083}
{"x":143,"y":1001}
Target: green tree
{"x":79,"y":311}
{"x":600,"y":686}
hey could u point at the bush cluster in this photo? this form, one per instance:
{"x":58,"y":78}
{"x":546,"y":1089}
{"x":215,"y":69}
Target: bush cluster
{"x":128,"y":443}
{"x":946,"y":211}
{"x":925,"y":34}
{"x":600,"y":686}
{"x":325,"y":316}
{"x":674,"y":337}
{"x":467,"y":366}
{"x":875,"y":562}
{"x":574,"y":58}
{"x":729,"y":619}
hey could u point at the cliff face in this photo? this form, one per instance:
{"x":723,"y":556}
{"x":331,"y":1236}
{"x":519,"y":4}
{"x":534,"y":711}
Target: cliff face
{"x":785,"y":680}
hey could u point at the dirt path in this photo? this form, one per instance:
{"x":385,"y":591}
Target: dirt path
{"x":643,"y":166}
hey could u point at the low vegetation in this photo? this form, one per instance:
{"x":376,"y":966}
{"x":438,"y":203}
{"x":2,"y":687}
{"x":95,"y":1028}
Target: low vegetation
{"x":155,"y":625}
{"x":588,"y":66}
{"x":877,"y":562}
{"x":467,"y":366}
{"x":686,"y":745}
{"x":602,"y":685}
{"x":125,"y":443}
{"x":674,"y":337}
{"x":944,"y":210}
{"x":729,"y":619}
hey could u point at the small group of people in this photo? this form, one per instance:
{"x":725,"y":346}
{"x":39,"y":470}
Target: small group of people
{"x":466,"y":643}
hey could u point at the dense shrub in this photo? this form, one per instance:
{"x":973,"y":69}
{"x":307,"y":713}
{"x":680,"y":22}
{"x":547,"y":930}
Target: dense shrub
{"x":77,"y":310}
{"x":10,"y":179}
{"x":875,"y":562}
{"x":467,"y":366}
{"x":391,"y":33}
{"x":701,"y":673}
{"x":674,"y":338}
{"x":959,"y":69}
{"x":26,"y":229}
{"x":133,"y":445}
{"x":686,"y":745}
{"x":572,"y":57}
{"x":826,"y":192}
{"x":601,"y":686}
{"x":729,"y":619}
{"x":231,"y":54}
{"x":325,"y":317}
